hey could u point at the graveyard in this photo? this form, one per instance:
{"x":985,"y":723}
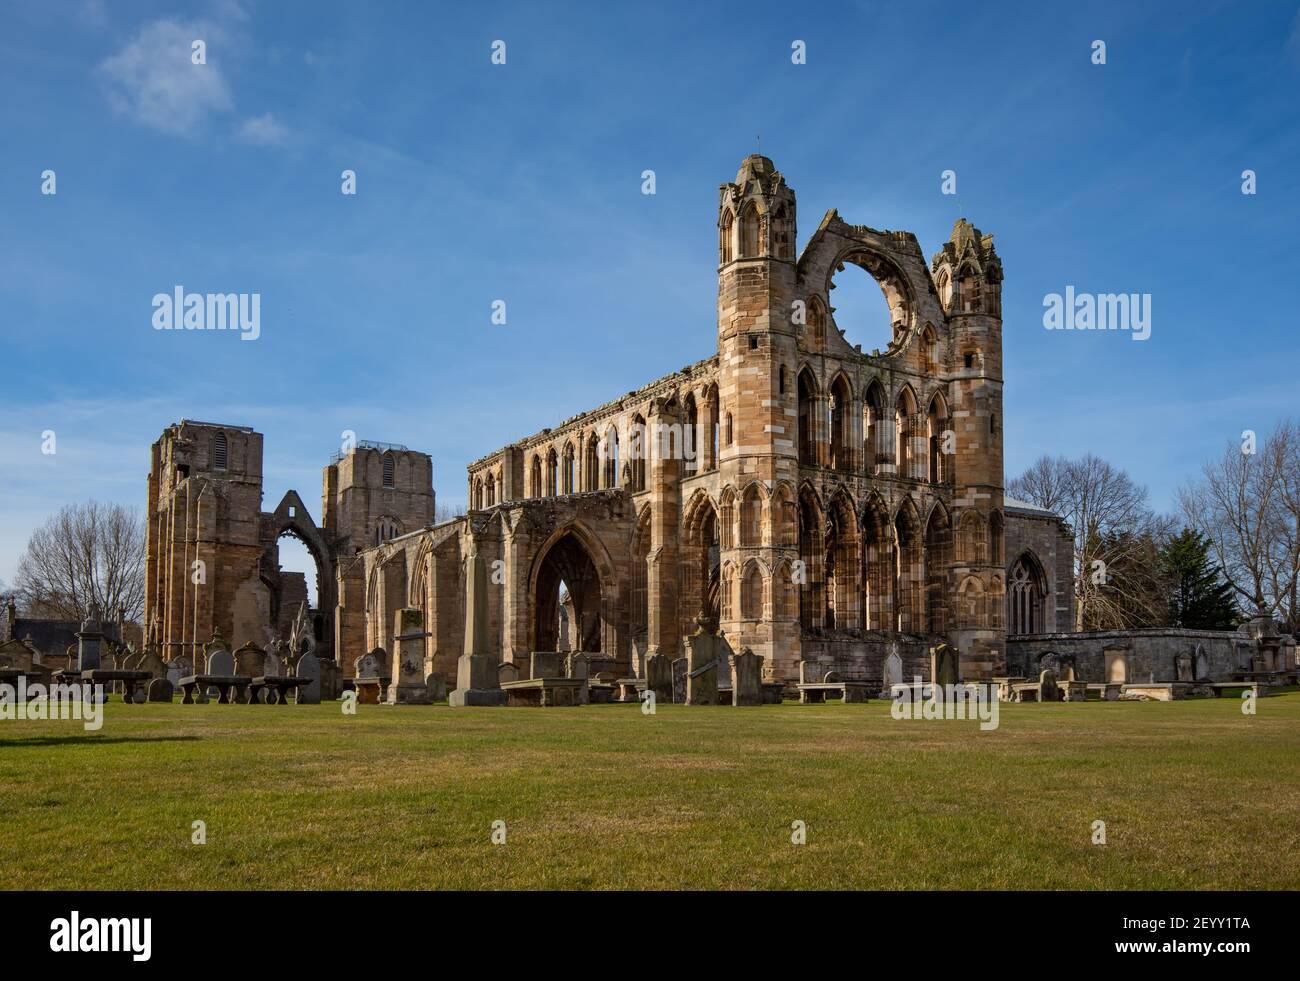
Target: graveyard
{"x":1194,"y":794}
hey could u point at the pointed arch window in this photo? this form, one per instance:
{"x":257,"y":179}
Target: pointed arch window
{"x":725,"y":232}
{"x":749,"y":228}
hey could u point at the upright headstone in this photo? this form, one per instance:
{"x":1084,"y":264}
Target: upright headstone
{"x":704,"y":654}
{"x":943,"y":665}
{"x":408,"y":686}
{"x":178,"y":668}
{"x":507,"y":671}
{"x":546,"y":664}
{"x":579,"y":667}
{"x":1047,"y":690}
{"x":250,"y":660}
{"x":272,"y":666}
{"x":476,"y":670}
{"x":221,"y":662}
{"x":373,"y":664}
{"x":90,"y":640}
{"x":892,"y":672}
{"x":436,"y":685}
{"x":681,"y":667}
{"x":1183,"y":667}
{"x":160,"y":690}
{"x":659,"y":677}
{"x":309,"y":668}
{"x":151,"y":662}
{"x":746,"y":678}
{"x":725,"y":653}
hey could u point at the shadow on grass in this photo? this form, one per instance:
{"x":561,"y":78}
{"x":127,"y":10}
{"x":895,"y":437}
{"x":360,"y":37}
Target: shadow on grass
{"x":90,"y":737}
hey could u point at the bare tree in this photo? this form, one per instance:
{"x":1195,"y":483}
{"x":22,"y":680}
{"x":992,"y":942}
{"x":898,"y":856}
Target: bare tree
{"x":1116,"y":537}
{"x":84,"y":554}
{"x":1247,"y":503}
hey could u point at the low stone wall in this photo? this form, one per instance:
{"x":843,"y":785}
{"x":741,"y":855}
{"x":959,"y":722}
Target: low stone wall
{"x":860,"y":655}
{"x":1145,"y":655}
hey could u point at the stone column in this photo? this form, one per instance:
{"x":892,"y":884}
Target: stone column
{"x":409,"y":685}
{"x":663,"y":627}
{"x":476,"y":671}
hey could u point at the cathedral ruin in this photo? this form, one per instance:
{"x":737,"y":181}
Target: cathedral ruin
{"x":822,"y":503}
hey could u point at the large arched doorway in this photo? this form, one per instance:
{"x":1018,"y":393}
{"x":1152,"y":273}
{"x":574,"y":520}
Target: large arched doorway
{"x":567,"y":584}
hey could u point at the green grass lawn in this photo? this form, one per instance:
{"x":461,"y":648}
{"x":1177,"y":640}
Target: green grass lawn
{"x":1195,"y":795}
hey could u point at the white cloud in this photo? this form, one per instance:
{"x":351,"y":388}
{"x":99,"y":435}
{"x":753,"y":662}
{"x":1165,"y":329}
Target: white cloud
{"x":263,"y":130}
{"x":153,"y":80}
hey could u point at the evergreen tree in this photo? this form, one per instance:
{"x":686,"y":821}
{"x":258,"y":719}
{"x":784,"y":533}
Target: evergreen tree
{"x":1199,"y":597}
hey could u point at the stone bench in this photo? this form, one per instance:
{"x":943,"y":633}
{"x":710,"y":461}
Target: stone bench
{"x":544,"y":692}
{"x":813,"y":693}
{"x":274,"y":689}
{"x":223,"y":683}
{"x":129,"y":680}
{"x":629,"y":689}
{"x":1107,"y":691}
{"x":1217,"y":688}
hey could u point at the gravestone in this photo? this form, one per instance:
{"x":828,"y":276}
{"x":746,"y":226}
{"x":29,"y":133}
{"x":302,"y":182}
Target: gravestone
{"x":90,"y":641}
{"x":725,"y":653}
{"x":1067,"y":671}
{"x":272,"y":666}
{"x":746,"y":678}
{"x":1116,"y":666}
{"x":1202,"y":664}
{"x":408,"y":678}
{"x":221,"y":662}
{"x":436,"y":685}
{"x":250,"y":660}
{"x":151,"y":662}
{"x":545,"y":664}
{"x":703,"y":656}
{"x":178,"y":668}
{"x":507,"y":671}
{"x":832,"y":678}
{"x":160,"y":690}
{"x":943,"y":665}
{"x":1183,"y":667}
{"x":1047,"y":690}
{"x":892,"y":671}
{"x":309,"y":667}
{"x":681,"y":667}
{"x":371,"y":665}
{"x":659,"y":677}
{"x":578,"y":666}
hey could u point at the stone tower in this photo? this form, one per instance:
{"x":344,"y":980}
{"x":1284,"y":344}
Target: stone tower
{"x":757,"y":337}
{"x":203,"y":546}
{"x":968,"y":275}
{"x":371,"y":494}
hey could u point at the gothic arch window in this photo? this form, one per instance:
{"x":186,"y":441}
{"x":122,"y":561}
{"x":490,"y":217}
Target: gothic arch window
{"x":944,"y":286}
{"x":995,"y":538}
{"x":940,"y":463}
{"x":749,"y":232}
{"x":478,"y":494}
{"x":1025,"y":595}
{"x":730,"y":434}
{"x":711,"y":401}
{"x":782,"y":233}
{"x":907,"y":424}
{"x":877,"y":445}
{"x":637,"y":450}
{"x":840,"y":412}
{"x":785,"y":517}
{"x":386,"y":529}
{"x":491,"y":489}
{"x":929,"y":351}
{"x":727,"y":519}
{"x":690,"y":438}
{"x":751,"y":516}
{"x":968,"y":290}
{"x":816,"y":323}
{"x":972,"y":538}
{"x":535,"y":477}
{"x":552,"y":472}
{"x":725,"y":232}
{"x":751,"y":593}
{"x":611,"y":458}
{"x":970,"y":603}
{"x":808,"y":399}
{"x":569,"y":470}
{"x":389,"y":472}
{"x":590,"y":464}
{"x":938,"y":557}
{"x":220,"y":452}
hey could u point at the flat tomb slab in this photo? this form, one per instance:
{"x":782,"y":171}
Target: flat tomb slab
{"x":544,"y":691}
{"x":850,"y":691}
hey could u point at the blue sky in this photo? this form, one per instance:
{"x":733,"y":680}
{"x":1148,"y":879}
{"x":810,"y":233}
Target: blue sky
{"x":522,"y":182}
